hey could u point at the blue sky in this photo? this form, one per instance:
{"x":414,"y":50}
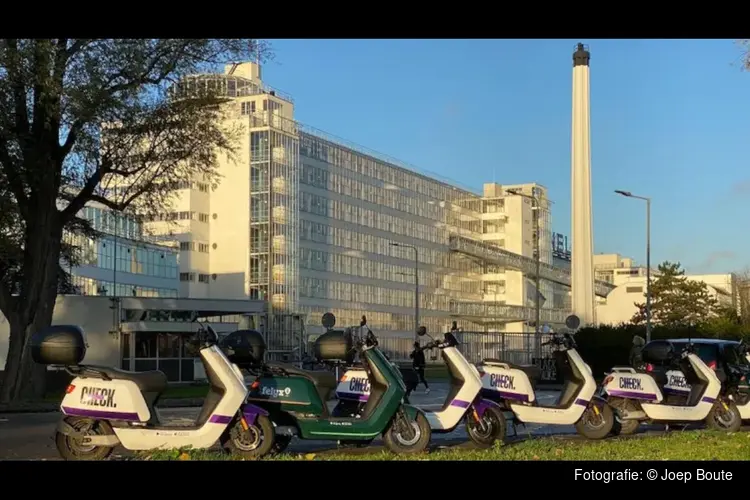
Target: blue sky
{"x":670,"y":119}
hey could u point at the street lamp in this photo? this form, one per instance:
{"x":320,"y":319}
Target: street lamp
{"x":537,"y":279}
{"x":628,"y":194}
{"x":416,"y":283}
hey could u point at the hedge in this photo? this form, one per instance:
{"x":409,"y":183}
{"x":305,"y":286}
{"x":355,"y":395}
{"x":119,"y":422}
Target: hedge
{"x":606,"y":346}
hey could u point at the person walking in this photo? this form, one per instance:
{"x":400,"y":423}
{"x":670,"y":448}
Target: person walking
{"x":419,"y":363}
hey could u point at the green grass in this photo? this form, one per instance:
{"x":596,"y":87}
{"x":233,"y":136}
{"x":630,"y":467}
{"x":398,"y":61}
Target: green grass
{"x":676,"y":445}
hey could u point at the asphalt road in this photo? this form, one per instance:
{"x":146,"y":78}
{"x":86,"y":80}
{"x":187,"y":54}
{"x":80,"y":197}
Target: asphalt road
{"x":29,"y":436}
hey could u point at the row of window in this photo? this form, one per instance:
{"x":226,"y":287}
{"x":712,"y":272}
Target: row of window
{"x":110,"y":222}
{"x":191,"y":246}
{"x":201,"y":186}
{"x":89,"y":286}
{"x":381,"y":320}
{"x":128,"y":256}
{"x":319,"y":260}
{"x":172,"y":216}
{"x":362,"y":190}
{"x":347,"y":212}
{"x":329,"y":235}
{"x":202,"y":278}
{"x":322,"y":150}
{"x":370,"y":294}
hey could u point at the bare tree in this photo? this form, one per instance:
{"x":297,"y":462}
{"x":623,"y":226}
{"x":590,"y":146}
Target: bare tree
{"x":77,"y":117}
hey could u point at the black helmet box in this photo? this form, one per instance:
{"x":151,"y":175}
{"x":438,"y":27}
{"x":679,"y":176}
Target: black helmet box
{"x":58,"y":345}
{"x":245,"y":348}
{"x":334,"y":345}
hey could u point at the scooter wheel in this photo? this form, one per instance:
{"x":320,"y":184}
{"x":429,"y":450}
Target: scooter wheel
{"x":71,"y":448}
{"x":624,"y":427}
{"x":280,"y":443}
{"x":417,"y":443}
{"x":596,"y":422}
{"x":256,"y":441}
{"x":492,"y":428}
{"x":721,"y":419}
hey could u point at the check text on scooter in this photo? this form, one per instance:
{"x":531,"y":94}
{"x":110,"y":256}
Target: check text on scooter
{"x":98,"y":396}
{"x":502,"y":382}
{"x":630,"y":383}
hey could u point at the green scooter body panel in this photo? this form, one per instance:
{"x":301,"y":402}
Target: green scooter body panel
{"x":292,"y":394}
{"x":377,"y":421}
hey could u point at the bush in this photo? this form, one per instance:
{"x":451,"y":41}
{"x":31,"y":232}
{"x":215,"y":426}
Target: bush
{"x":606,"y":346}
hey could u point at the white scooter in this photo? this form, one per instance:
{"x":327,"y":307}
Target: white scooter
{"x":104,"y":407}
{"x":509,"y":385}
{"x":636,"y":397}
{"x":484,"y":419}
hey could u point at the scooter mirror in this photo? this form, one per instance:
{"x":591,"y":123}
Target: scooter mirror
{"x":364,"y":321}
{"x":422,"y":331}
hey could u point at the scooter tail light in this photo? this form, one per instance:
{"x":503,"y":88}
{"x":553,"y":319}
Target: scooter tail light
{"x":255,"y":385}
{"x":70,"y":388}
{"x":649,"y":367}
{"x":607,"y":380}
{"x":712,"y":365}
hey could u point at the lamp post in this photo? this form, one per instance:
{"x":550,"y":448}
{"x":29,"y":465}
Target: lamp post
{"x":628,"y":194}
{"x":416,"y":283}
{"x":537,"y":278}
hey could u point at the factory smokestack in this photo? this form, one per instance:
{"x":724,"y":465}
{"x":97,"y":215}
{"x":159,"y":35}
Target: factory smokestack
{"x":582,"y":273}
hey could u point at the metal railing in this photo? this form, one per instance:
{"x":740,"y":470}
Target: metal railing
{"x":526,"y":265}
{"x":490,"y":311}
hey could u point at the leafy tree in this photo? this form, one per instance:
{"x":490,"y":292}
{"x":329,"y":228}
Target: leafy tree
{"x":676,"y":300}
{"x":78,"y":117}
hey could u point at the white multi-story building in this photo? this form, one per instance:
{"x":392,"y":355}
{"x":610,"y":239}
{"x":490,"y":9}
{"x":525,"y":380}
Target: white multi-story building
{"x":629,"y":280}
{"x":311,"y":224}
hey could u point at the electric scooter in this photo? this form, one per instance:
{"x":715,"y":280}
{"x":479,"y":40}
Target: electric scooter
{"x":484,"y":419}
{"x":295,"y":400}
{"x":737,"y":385}
{"x":636,"y":397}
{"x":510,"y":386}
{"x":104,"y":407}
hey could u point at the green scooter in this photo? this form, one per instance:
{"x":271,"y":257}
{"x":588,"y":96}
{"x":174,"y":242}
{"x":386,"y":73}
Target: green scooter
{"x":295,"y":399}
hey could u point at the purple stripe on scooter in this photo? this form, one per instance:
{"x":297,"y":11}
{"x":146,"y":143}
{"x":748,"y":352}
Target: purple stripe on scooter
{"x":582,"y":402}
{"x":494,"y":395}
{"x":350,"y":395}
{"x":706,"y":399}
{"x":220,"y":419}
{"x":633,"y":395}
{"x":460,"y":404}
{"x":109,"y":415}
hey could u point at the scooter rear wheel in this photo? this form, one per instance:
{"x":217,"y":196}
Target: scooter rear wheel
{"x":492,"y":428}
{"x":624,"y":427}
{"x":418,"y":442}
{"x":256,"y":441}
{"x":72,"y":448}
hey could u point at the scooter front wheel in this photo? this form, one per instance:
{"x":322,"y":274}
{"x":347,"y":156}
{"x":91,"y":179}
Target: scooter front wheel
{"x":416,"y":441}
{"x":254,"y":441}
{"x":491,"y":427}
{"x":724,"y":416}
{"x":597,"y":421}
{"x":74,"y":448}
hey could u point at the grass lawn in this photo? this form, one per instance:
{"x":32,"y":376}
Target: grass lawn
{"x":676,"y":445}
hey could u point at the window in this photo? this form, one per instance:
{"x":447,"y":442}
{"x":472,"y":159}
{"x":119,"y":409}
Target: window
{"x":187,"y":246}
{"x":203,"y":247}
{"x":634,"y":289}
{"x":203,"y":278}
{"x":187,"y":276}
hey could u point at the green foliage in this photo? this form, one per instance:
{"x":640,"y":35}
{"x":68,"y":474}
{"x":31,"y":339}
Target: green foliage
{"x":606,"y":346}
{"x":112,"y":121}
{"x":677,"y":300}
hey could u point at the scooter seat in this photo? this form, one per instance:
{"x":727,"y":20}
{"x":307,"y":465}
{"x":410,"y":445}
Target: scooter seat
{"x":151,"y":381}
{"x":532,"y":371}
{"x":321,"y":378}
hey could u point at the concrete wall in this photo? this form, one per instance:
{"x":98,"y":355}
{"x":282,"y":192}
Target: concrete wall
{"x":93,"y":314}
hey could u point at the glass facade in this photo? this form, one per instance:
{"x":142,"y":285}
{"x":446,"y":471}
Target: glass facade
{"x":119,"y":262}
{"x":353,"y":208}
